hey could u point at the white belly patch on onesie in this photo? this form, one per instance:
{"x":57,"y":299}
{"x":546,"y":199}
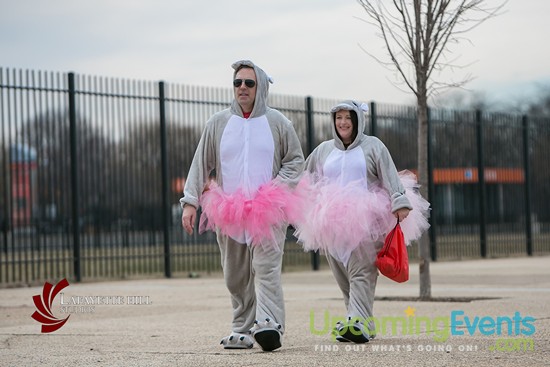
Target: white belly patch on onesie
{"x":246,"y":152}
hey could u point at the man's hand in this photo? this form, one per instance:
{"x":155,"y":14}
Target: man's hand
{"x":401,"y":214}
{"x":188,"y":218}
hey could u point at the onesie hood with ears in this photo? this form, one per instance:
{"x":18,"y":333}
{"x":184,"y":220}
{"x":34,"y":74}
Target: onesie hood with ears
{"x":262,"y":89}
{"x":360,"y":109}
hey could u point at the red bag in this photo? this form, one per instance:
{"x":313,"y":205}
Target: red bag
{"x":393,"y":260}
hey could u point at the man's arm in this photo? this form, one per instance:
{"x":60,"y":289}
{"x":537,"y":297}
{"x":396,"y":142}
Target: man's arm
{"x":201,"y":166}
{"x":292,"y":163}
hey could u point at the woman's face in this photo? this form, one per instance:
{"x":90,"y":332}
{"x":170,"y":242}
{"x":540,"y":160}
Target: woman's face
{"x":344,"y":126}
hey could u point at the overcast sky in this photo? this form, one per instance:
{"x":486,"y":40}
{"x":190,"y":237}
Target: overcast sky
{"x":309,"y":47}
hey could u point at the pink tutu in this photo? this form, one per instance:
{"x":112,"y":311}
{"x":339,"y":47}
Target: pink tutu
{"x":338,"y":219}
{"x":262,"y":218}
{"x":416,"y":222}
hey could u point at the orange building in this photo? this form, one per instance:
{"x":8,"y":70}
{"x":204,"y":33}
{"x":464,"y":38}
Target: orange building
{"x":23,"y":184}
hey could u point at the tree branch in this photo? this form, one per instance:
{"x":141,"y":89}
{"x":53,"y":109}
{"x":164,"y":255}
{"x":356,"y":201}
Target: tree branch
{"x":419,"y":33}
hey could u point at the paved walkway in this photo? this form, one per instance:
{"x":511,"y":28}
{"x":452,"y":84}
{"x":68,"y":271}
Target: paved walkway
{"x":180,"y":321}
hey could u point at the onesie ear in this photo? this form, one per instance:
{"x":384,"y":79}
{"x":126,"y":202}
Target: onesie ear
{"x":362,"y":106}
{"x":270,"y":79}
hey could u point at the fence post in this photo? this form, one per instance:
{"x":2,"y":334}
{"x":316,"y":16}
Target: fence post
{"x":527,"y":186}
{"x":75,"y":197}
{"x":165,"y":205}
{"x":481,"y":186}
{"x":309,"y":121}
{"x":373,"y":126}
{"x":315,"y":261}
{"x":431,"y":190}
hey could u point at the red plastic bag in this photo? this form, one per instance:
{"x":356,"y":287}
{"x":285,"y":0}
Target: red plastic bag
{"x":393,"y":260}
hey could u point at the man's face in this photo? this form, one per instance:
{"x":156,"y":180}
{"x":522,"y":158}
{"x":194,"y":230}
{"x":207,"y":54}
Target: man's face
{"x":244,"y":95}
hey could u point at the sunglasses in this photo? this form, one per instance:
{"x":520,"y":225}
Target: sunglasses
{"x":248,"y":82}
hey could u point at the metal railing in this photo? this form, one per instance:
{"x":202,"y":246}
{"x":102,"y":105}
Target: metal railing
{"x":92,"y":170}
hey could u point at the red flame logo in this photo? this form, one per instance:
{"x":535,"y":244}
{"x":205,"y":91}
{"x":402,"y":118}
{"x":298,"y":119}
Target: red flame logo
{"x":43,"y":303}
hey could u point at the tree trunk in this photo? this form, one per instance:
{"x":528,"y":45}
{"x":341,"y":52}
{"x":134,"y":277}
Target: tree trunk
{"x":424,"y":242}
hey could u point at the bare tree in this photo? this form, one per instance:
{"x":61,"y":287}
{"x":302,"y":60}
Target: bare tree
{"x":417,"y":35}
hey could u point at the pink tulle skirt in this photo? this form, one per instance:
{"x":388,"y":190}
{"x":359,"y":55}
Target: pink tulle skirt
{"x":261,"y":219}
{"x":337,"y":220}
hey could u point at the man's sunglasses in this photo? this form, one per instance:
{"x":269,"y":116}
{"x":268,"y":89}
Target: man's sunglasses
{"x":248,"y":82}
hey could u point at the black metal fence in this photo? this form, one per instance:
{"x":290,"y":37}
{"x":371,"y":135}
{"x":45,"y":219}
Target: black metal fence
{"x":92,"y":170}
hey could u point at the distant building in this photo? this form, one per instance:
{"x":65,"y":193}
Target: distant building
{"x":23,"y":184}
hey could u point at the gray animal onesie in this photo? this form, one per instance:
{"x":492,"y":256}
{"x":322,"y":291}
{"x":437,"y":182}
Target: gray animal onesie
{"x":247,"y":153}
{"x":347,"y":203}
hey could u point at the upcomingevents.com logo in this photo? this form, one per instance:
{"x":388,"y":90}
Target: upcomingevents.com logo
{"x":43,"y":303}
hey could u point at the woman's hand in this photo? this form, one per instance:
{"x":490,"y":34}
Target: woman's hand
{"x":402,"y":213}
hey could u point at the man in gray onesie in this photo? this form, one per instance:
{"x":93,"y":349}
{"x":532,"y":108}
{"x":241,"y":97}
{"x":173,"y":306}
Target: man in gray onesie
{"x":249,"y":145}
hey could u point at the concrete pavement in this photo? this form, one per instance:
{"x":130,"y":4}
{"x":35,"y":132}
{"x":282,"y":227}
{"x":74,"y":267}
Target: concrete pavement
{"x":179,"y":322}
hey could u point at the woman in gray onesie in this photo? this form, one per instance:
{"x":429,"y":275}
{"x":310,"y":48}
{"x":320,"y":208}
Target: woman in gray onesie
{"x":355,"y":195}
